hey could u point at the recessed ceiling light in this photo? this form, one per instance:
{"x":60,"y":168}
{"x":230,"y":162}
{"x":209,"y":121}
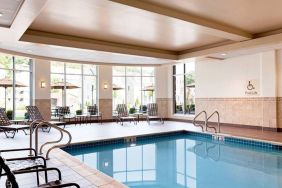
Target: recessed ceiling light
{"x":223,"y":54}
{"x":1,"y":14}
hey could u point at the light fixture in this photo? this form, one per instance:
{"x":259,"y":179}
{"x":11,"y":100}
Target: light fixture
{"x":43,"y":84}
{"x":105,"y":85}
{"x":223,"y":54}
{"x":1,"y":14}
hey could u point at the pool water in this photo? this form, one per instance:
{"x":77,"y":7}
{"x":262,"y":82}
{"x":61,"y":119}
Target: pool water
{"x":185,"y":161}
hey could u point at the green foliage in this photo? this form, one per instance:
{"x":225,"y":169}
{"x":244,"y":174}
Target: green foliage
{"x":10,"y":114}
{"x":190,"y":78}
{"x":26,"y":116}
{"x":143,"y":108}
{"x":132,"y":110}
{"x":78,"y":112}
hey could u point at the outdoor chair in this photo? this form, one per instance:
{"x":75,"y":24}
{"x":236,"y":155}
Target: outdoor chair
{"x":8,"y":128}
{"x":25,"y":163}
{"x":122,"y":114}
{"x":11,"y":181}
{"x":35,"y":115}
{"x":65,"y":114}
{"x":152,"y":110}
{"x":93,"y":112}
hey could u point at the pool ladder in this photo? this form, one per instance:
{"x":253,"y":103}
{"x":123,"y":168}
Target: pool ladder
{"x":36,"y":125}
{"x":206,"y":124}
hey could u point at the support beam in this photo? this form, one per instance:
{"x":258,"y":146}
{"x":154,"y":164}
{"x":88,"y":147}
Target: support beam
{"x":197,"y":23}
{"x":92,"y":44}
{"x":269,"y":42}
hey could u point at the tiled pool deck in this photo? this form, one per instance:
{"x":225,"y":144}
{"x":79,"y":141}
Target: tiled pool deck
{"x":75,"y":171}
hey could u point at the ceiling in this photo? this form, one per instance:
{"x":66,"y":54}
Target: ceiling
{"x":8,"y":11}
{"x":138,"y":32}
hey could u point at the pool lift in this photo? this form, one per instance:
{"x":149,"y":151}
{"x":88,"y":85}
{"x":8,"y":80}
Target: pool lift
{"x":206,"y":124}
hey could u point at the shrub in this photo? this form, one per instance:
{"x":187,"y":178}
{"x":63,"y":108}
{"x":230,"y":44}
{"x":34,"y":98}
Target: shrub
{"x":132,"y":110}
{"x":10,"y":114}
{"x":78,"y":112}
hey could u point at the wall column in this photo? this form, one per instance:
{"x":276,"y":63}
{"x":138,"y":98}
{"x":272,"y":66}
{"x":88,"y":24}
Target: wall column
{"x":105,"y":95}
{"x":42,"y":96}
{"x":164,"y":90}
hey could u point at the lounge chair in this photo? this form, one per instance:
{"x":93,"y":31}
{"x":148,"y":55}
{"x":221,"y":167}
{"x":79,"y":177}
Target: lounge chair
{"x":35,"y":115}
{"x":153,"y":113}
{"x":65,"y":114}
{"x":122,"y":114}
{"x":25,"y":163}
{"x":8,"y":128}
{"x":11,"y":181}
{"x":93,"y":112}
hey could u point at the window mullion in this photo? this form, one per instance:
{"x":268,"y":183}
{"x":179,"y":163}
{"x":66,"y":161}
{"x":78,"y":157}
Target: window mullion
{"x":14,"y":88}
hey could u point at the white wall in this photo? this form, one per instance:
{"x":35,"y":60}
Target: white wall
{"x":227,"y":78}
{"x":41,"y":72}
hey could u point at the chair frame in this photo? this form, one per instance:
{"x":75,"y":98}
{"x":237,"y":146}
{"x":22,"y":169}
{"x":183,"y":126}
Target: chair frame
{"x":34,"y":157}
{"x":122,"y":114}
{"x":152,"y":113}
{"x":8,"y":128}
{"x":12,"y":182}
{"x":93,"y":112}
{"x":63,"y":111}
{"x":35,"y":115}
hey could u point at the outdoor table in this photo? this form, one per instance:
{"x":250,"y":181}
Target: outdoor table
{"x":138,"y":114}
{"x":82,"y":117}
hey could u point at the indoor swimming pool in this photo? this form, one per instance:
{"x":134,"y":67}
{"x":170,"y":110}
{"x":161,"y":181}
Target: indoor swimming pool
{"x":185,"y":159}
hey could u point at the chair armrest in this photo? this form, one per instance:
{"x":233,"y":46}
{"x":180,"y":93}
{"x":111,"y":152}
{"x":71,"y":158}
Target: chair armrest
{"x":21,"y":149}
{"x":66,"y":185}
{"x":27,"y":158}
{"x":40,"y":170}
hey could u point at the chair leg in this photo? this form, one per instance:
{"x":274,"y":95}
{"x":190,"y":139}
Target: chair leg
{"x":25,"y":132}
{"x":8,"y":132}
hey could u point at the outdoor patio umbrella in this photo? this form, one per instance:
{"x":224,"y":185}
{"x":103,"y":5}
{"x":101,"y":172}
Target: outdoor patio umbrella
{"x":7,"y":82}
{"x":149,"y":88}
{"x":116,"y":87}
{"x":191,"y":85}
{"x":61,"y":85}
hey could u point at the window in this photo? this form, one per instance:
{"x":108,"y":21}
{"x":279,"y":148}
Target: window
{"x":15,"y":84}
{"x":184,"y":88}
{"x":133,"y":86}
{"x":73,"y":85}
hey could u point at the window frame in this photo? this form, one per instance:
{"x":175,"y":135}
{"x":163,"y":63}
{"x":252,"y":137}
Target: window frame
{"x":82,"y":75}
{"x":183,"y":74}
{"x":14,"y":71}
{"x":141,"y":76}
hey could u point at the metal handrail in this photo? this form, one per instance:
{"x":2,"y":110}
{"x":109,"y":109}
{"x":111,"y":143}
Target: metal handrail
{"x":218,"y":122}
{"x":44,"y":123}
{"x":194,"y":120}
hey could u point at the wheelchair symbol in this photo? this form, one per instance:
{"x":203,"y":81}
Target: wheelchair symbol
{"x":250,"y":86}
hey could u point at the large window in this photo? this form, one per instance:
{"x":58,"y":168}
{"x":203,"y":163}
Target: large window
{"x":15,"y":84}
{"x":133,"y":86}
{"x":73,"y":85}
{"x":184,"y":88}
